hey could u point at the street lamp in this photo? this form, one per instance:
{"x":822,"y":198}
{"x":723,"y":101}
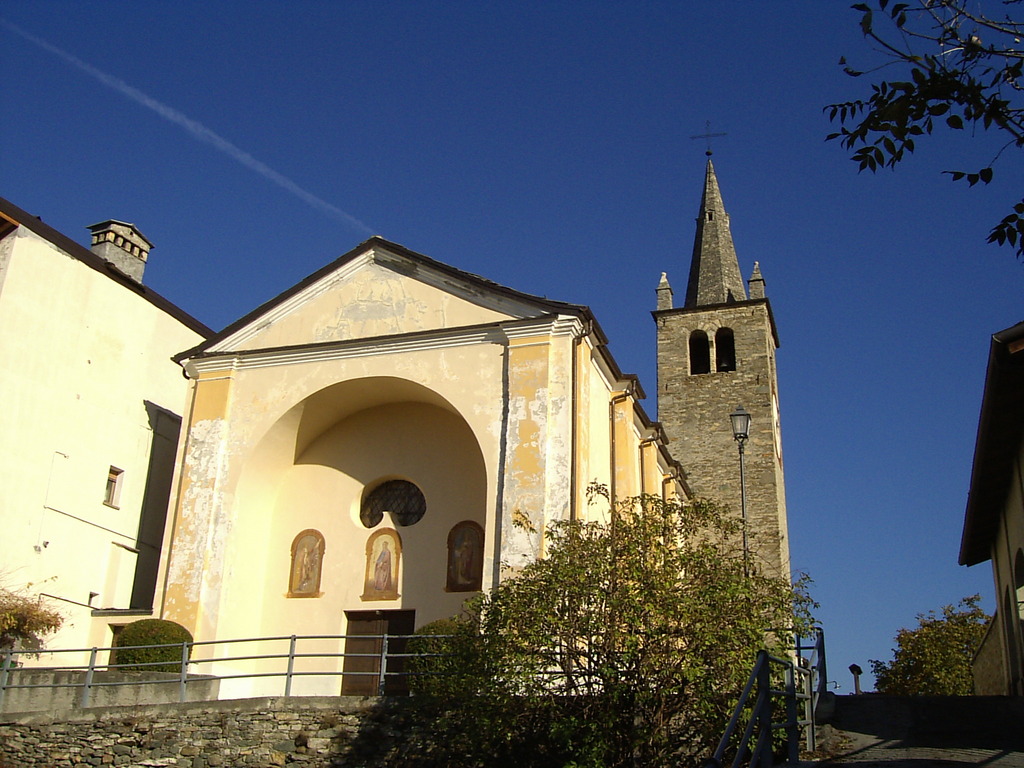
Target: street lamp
{"x":740,"y":432}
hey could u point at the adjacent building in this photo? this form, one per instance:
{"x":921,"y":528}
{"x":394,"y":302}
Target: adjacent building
{"x":92,"y":404}
{"x":994,"y":520}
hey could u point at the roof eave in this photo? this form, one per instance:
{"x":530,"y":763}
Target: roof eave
{"x":14,"y":215}
{"x":1000,"y":430}
{"x":547,"y":306}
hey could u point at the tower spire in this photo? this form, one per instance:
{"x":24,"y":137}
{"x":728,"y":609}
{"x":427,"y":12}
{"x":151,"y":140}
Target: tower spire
{"x":714,"y":269}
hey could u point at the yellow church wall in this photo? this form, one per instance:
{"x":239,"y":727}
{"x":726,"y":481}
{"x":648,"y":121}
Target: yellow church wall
{"x":523,"y":520}
{"x":598,"y":463}
{"x":650,"y":471}
{"x":640,"y":464}
{"x":82,"y":355}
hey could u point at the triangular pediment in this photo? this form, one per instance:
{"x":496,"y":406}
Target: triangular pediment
{"x":379,"y":289}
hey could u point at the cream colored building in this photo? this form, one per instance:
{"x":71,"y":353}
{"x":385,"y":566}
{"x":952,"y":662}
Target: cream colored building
{"x":92,"y":404}
{"x":383,"y":440}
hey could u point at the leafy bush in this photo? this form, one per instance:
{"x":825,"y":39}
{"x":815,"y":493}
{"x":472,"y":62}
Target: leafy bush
{"x":441,"y":654}
{"x":627,"y":644}
{"x":24,"y":620}
{"x":160,"y":642}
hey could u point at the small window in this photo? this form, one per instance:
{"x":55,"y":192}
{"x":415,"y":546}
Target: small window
{"x":112,"y":494}
{"x":401,"y":498}
{"x":725,"y":350}
{"x":700,"y":353}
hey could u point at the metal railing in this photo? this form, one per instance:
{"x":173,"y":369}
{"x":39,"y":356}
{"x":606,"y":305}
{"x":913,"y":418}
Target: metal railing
{"x":386,"y":663}
{"x":770,"y":709}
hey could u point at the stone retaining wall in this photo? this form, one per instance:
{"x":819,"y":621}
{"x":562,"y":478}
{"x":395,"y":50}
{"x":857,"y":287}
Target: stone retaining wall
{"x":314,"y":732}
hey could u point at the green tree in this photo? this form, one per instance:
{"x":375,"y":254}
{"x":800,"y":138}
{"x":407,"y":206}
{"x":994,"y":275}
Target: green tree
{"x":628,"y":643}
{"x":953,"y":66}
{"x":25,"y":620}
{"x":935,"y":658}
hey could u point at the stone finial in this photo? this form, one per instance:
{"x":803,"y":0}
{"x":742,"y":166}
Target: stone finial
{"x":121,"y":244}
{"x":664,"y":292}
{"x":756,"y":283}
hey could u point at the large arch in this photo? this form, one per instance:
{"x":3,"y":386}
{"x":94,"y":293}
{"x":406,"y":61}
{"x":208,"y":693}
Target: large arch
{"x":311,"y":470}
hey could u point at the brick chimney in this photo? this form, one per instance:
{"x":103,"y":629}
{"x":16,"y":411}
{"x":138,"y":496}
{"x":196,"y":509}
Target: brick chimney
{"x":122,"y":245}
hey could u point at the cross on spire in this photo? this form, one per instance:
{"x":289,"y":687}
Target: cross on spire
{"x":708,"y":135}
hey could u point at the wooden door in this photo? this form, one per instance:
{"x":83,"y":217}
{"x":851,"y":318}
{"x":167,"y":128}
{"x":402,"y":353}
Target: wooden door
{"x":363,"y":648}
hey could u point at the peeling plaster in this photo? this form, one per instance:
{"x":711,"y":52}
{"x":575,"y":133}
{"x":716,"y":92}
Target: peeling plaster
{"x":198,"y":558}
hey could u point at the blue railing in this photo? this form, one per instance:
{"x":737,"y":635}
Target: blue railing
{"x":383,"y":665}
{"x":781,"y":695}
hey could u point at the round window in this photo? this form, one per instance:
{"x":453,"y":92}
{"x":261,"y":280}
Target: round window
{"x":401,"y":498}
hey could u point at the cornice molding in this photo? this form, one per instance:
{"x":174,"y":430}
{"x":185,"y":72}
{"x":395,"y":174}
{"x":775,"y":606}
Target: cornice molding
{"x":501,"y":333}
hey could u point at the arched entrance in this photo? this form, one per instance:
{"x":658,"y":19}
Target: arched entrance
{"x":308,"y":481}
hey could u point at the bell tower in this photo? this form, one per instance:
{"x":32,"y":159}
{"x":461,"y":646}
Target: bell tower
{"x":717,"y":353}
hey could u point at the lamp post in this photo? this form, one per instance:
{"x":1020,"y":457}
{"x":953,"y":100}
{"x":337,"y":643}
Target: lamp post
{"x":740,"y":432}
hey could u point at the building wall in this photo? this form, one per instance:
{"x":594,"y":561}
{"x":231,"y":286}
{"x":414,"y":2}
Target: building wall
{"x":88,"y":384}
{"x":1007,"y":561}
{"x":695,"y":408}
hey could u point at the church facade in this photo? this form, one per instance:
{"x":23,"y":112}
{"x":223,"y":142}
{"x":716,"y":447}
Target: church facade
{"x":387,"y":438}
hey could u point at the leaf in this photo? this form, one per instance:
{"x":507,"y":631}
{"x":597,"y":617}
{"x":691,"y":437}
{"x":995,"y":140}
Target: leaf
{"x":985,"y":174}
{"x":865,"y":21}
{"x":955,"y":122}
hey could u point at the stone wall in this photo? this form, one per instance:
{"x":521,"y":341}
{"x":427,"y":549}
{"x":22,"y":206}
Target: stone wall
{"x":313,"y":732}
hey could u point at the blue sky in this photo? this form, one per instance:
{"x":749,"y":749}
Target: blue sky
{"x":545,"y":145}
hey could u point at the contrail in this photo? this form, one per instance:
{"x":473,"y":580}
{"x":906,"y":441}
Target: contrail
{"x":198,"y":130}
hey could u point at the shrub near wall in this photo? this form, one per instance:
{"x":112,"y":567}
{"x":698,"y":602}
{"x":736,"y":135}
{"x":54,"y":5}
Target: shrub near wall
{"x":160,"y":641}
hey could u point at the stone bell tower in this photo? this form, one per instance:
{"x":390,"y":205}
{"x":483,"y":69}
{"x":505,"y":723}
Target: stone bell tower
{"x":717,"y":352}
